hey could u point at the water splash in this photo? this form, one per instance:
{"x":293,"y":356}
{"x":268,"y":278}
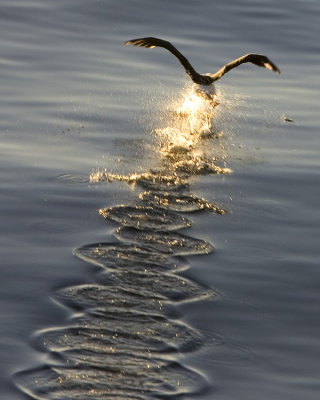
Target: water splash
{"x":182,"y":147}
{"x":180,"y":142}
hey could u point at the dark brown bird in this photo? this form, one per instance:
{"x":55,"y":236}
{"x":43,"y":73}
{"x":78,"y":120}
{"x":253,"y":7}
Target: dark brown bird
{"x":205,"y":80}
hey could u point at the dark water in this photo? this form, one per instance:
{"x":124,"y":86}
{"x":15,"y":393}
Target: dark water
{"x":199,"y":277}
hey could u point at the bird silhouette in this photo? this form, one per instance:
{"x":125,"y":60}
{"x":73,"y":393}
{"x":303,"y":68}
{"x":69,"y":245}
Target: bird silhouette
{"x":204,"y":82}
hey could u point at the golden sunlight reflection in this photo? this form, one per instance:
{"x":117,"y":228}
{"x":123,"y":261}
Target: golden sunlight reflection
{"x":197,"y":112}
{"x":182,"y":144}
{"x":191,"y":121}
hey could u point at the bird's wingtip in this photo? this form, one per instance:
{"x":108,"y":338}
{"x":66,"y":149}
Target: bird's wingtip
{"x":272,"y":67}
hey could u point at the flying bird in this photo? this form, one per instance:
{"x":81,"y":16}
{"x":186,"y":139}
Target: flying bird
{"x":204,"y":82}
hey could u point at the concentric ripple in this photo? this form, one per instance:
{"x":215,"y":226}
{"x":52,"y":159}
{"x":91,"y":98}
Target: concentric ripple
{"x":109,"y":332}
{"x":183,"y":203}
{"x":150,"y":180}
{"x":171,"y":287}
{"x":165,"y":242}
{"x":144,"y":217}
{"x":132,"y":382}
{"x":115,"y":255}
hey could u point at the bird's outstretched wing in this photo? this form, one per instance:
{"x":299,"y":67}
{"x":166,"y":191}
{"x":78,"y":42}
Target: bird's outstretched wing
{"x":150,"y":42}
{"x":257,"y":59}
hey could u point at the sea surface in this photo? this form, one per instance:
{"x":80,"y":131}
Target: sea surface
{"x":153,"y":246}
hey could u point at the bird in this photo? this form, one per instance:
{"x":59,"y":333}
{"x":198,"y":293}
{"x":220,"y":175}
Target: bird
{"x":204,"y":83}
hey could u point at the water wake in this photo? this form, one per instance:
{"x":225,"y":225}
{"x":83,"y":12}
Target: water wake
{"x":124,"y":338}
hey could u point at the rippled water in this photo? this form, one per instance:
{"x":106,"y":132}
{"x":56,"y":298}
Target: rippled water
{"x":152,"y":246}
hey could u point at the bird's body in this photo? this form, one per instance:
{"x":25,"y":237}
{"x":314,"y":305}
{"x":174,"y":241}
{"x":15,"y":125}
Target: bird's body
{"x":204,"y":83}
